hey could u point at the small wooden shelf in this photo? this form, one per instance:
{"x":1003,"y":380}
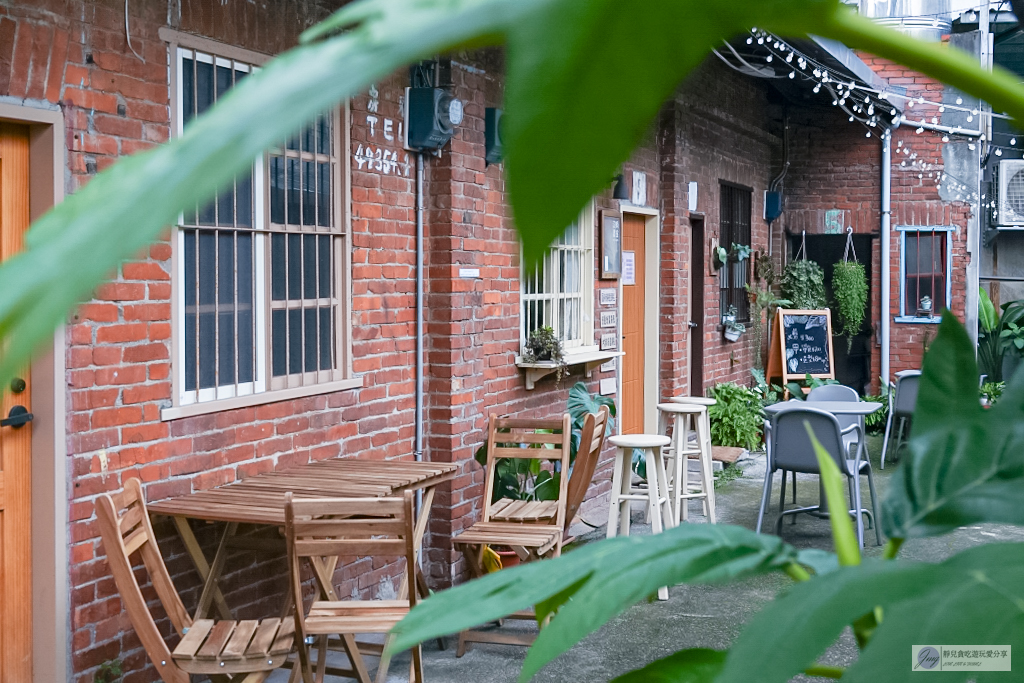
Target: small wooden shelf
{"x":590,"y":359}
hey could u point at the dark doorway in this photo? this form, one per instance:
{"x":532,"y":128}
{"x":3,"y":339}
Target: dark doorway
{"x":853,"y":368}
{"x":695,"y":324}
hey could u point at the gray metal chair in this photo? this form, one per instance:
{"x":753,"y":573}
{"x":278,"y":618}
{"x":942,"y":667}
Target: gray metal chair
{"x":790,"y":449}
{"x":838,"y":392}
{"x":902,"y":400}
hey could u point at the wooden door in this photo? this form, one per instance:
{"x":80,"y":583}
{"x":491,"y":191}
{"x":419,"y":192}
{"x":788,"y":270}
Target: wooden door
{"x":695,"y":324}
{"x":15,"y":442}
{"x":633,"y":305}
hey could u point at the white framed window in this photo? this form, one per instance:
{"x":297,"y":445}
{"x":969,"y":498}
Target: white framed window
{"x":559,"y":292}
{"x":260,"y":278}
{"x":926,"y":260}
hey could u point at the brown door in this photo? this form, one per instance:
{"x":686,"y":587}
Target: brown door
{"x":633,"y":325}
{"x":15,"y":442}
{"x":695,"y":331}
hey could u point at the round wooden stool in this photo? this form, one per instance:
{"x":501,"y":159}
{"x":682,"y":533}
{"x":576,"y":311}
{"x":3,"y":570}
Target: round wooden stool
{"x":686,"y":419}
{"x":656,"y":493}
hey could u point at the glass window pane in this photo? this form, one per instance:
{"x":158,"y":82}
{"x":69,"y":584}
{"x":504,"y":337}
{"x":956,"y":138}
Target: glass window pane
{"x":207,"y":307}
{"x":324,"y":195}
{"x":309,"y":262}
{"x":308,"y":193}
{"x":277,"y":190}
{"x":326,"y":347}
{"x":294,"y":266}
{"x":223,"y":80}
{"x":294,"y":192}
{"x":279,"y":343}
{"x":188,"y":91}
{"x":204,"y":86}
{"x":278,"y":288}
{"x":911,"y":240}
{"x":293,"y":142}
{"x":323,"y":136}
{"x":294,"y":341}
{"x":311,"y":338}
{"x":191,"y":311}
{"x":226,"y":207}
{"x":243,"y":209}
{"x":325,"y":266}
{"x":309,"y":138}
{"x":208,"y":214}
{"x":246,"y":296}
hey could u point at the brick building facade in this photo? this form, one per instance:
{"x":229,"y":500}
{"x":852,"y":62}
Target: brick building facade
{"x":122,"y":417}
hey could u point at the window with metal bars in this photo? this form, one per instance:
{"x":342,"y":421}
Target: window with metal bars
{"x":925,"y":271}
{"x":558,"y":292}
{"x":734,"y":228}
{"x":258,"y":266}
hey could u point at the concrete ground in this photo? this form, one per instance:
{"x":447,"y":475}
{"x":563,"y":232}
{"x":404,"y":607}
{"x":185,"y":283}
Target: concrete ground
{"x":694,"y":616}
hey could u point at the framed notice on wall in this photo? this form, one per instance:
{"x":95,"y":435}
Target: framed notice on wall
{"x":611,"y":246}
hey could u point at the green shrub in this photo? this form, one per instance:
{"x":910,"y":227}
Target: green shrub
{"x":850,"y":290}
{"x":736,"y":420}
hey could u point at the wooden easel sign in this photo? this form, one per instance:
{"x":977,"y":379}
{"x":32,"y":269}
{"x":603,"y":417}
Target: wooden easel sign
{"x":801,"y":345}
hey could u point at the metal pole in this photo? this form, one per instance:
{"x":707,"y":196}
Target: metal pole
{"x":418,"y":449}
{"x":885,"y":247}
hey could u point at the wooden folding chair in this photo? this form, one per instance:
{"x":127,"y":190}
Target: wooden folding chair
{"x":595,"y":425}
{"x":534,"y":532}
{"x":245,"y":651}
{"x":323,"y":530}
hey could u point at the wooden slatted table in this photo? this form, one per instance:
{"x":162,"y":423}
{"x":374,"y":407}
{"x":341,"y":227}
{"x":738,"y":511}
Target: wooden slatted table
{"x":259,"y":500}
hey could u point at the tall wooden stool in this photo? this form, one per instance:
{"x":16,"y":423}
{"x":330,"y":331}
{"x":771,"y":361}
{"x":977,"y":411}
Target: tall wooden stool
{"x":686,"y":419}
{"x":656,"y":493}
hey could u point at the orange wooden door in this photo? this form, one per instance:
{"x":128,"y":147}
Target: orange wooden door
{"x":15,"y":442}
{"x":633,"y":296}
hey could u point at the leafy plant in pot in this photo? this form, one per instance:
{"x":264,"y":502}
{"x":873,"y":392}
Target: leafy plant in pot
{"x":733,"y":329}
{"x":803,"y":283}
{"x":850,"y":291}
{"x":544,"y":345}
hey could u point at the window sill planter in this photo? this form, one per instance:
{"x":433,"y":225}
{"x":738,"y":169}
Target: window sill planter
{"x":540,"y":369}
{"x":732,"y":334}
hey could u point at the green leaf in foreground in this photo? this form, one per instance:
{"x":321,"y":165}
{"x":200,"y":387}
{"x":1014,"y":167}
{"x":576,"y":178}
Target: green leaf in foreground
{"x":608,"y":576}
{"x":965,"y":464}
{"x":975,"y":597}
{"x":843,"y":535}
{"x":686,"y":666}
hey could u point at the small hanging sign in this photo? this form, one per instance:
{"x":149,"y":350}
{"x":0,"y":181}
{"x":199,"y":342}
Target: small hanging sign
{"x":628,"y":268}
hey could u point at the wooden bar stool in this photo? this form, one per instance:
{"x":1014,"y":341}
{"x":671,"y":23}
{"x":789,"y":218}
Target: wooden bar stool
{"x":656,"y":493}
{"x":686,"y":419}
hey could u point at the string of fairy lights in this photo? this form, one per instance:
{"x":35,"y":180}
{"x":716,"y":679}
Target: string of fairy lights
{"x":878,"y":109}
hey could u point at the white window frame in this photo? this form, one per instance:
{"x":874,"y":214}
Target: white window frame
{"x":262,"y":389}
{"x":911,"y":316}
{"x":550,"y":293}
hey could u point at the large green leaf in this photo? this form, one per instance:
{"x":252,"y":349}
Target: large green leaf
{"x":598,"y":581}
{"x":686,"y":666}
{"x":976,"y":597}
{"x":965,"y":464}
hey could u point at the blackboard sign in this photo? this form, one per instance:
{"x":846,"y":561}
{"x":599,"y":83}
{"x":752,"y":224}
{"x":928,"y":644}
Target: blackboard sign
{"x":806,"y":340}
{"x":801,"y":345}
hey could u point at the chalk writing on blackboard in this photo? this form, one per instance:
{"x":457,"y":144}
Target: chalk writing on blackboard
{"x":806,"y":344}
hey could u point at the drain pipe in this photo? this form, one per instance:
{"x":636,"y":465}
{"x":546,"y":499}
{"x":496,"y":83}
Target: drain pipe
{"x":886,"y":239}
{"x":418,"y":449}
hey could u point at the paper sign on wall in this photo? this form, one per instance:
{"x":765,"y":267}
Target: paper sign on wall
{"x":608,"y":341}
{"x":608,"y":367}
{"x":608,"y":319}
{"x":608,"y":296}
{"x":608,"y":386}
{"x":639,"y":188}
{"x":629,"y":268}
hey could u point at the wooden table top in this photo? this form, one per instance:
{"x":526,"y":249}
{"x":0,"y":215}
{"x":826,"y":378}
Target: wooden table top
{"x":260,"y":499}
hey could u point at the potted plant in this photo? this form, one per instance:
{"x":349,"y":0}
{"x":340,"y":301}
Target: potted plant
{"x":850,"y":291}
{"x":740,"y":251}
{"x":803,"y":283}
{"x":732,"y":329}
{"x":542,"y":346}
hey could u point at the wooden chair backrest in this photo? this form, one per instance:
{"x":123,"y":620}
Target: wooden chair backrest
{"x":532,"y":439}
{"x":125,"y":529}
{"x":347,"y":527}
{"x":595,"y":426}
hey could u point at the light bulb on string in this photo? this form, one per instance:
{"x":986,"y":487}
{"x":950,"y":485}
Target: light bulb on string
{"x":969,"y":119}
{"x":959,"y":100}
{"x":868,"y":134}
{"x":749,"y":41}
{"x":792,"y":74}
{"x":919,"y":131}
{"x":768,"y":58}
{"x":851,"y":117}
{"x":945,"y":138}
{"x":817,"y":88}
{"x":941,"y":108}
{"x":999,"y":152}
{"x":1013,"y":141}
{"x":760,"y":41}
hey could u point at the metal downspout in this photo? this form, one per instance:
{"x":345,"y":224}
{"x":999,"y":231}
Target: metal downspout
{"x":418,"y":449}
{"x":885,"y":248}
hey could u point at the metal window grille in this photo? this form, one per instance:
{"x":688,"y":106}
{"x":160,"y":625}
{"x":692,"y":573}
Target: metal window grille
{"x":734,"y":228}
{"x":230,"y":312}
{"x":925,"y":273}
{"x":555,"y":293}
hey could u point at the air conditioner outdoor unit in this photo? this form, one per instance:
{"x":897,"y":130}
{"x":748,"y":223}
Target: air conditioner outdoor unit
{"x":1011,"y":192}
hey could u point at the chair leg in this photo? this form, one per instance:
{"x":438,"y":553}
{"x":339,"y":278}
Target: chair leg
{"x":416,"y":667}
{"x":900,"y":438}
{"x":385,"y":661}
{"x":794,"y":488}
{"x":321,"y":659}
{"x":885,"y":439}
{"x":765,"y":495}
{"x":857,"y":506}
{"x":614,"y":505}
{"x":874,"y":508}
{"x":782,"y":507}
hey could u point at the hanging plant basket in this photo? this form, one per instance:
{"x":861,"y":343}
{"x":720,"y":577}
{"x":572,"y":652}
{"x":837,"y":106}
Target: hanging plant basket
{"x":850,"y":291}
